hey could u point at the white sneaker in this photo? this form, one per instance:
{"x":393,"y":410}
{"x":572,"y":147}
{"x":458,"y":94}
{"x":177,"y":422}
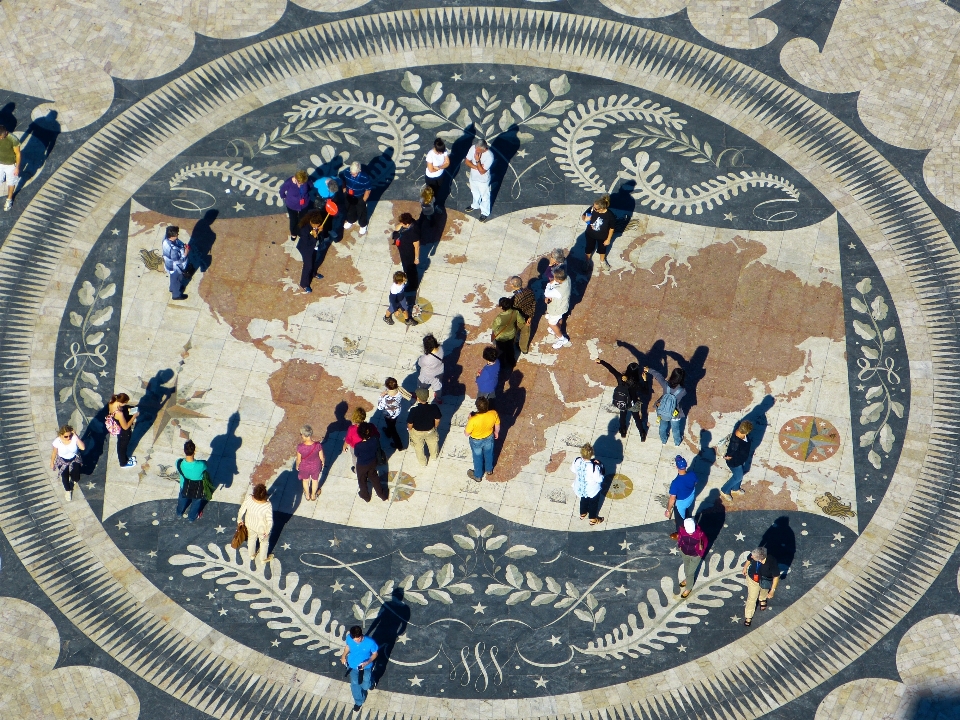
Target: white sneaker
{"x":68,"y":495}
{"x":363,"y":230}
{"x":562,"y":342}
{"x":347,"y":226}
{"x":8,"y":204}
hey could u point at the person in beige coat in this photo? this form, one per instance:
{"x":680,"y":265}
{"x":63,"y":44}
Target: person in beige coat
{"x":257,"y":514}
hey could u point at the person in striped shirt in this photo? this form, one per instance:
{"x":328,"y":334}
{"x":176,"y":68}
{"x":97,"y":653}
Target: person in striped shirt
{"x":356,"y":188}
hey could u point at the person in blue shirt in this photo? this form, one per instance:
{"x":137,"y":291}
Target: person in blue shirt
{"x":175,"y":260}
{"x":356,"y":186}
{"x":682,"y":494}
{"x":359,"y":652}
{"x":488,"y":375}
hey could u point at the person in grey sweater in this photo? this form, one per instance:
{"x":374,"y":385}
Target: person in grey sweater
{"x":431,"y":367}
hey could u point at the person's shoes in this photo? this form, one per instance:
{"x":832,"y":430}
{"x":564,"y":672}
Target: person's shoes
{"x":484,"y":218}
{"x":347,"y":226}
{"x":489,"y":476}
{"x":737,"y":493}
{"x":8,"y":205}
{"x":68,"y":495}
{"x":183,"y":516}
{"x":306,"y":291}
{"x":470,"y":209}
{"x":131,"y":464}
{"x":363,"y":230}
{"x":596,"y":521}
{"x":726,"y":497}
{"x":319,"y":276}
{"x":388,"y":319}
{"x":674,"y":536}
{"x":473,"y":476}
{"x":643,"y":437}
{"x":200,"y":515}
{"x":133,"y":458}
{"x":182,"y":297}
{"x":623,"y":434}
{"x":411,"y":322}
{"x":561,"y":343}
{"x":356,"y":708}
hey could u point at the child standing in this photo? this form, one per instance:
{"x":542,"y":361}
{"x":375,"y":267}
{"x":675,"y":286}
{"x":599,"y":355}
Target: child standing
{"x":398,"y":300}
{"x":389,"y":405}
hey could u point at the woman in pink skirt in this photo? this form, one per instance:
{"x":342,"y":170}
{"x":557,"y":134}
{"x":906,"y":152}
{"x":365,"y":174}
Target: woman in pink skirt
{"x":309,"y":463}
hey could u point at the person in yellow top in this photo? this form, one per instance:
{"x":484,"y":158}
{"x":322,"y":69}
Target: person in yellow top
{"x":482,"y":429}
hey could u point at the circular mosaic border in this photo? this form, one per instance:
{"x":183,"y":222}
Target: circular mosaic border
{"x":860,"y":599}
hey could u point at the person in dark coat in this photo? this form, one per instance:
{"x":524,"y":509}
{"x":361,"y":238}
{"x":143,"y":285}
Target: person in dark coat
{"x":738,"y":452}
{"x":308,"y":236}
{"x":635,"y":384}
{"x":406,"y":236}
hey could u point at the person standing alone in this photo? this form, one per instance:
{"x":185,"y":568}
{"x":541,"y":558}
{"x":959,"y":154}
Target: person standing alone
{"x":65,"y":459}
{"x":357,"y":187}
{"x":763,"y":575}
{"x":587,"y":484}
{"x":438,"y":160}
{"x":738,"y":452}
{"x":359,"y":653}
{"x":482,"y":429}
{"x":406,"y":237}
{"x":9,"y":163}
{"x":692,"y":543}
{"x":175,"y":261}
{"x":600,"y":225}
{"x":480,"y":159}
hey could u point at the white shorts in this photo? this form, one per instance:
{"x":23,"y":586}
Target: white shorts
{"x":7,"y":176}
{"x":554,"y":319}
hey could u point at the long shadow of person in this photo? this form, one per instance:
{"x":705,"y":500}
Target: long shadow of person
{"x":694,"y":371}
{"x":758,"y":417}
{"x":286,"y":493}
{"x":333,"y":438}
{"x":509,"y":405}
{"x":608,"y":449}
{"x":202,"y":239}
{"x":95,"y":439}
{"x":711,"y":515}
{"x":703,"y":461}
{"x":150,"y":406}
{"x":781,"y":541}
{"x":223,"y":452}
{"x":382,"y":171}
{"x":36,"y":145}
{"x":624,"y":205}
{"x":390,"y":623}
{"x":504,"y":147}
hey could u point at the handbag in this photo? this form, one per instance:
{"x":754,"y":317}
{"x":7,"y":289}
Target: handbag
{"x":239,"y":537}
{"x":113,"y":427}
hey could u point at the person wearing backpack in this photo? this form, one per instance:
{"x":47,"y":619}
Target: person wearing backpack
{"x":628,"y":396}
{"x":692,"y":543}
{"x":669,"y":413}
{"x":193,"y":479}
{"x":587,"y":483}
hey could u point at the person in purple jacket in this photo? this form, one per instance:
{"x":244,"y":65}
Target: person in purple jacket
{"x":295,"y":193}
{"x":692,"y":542}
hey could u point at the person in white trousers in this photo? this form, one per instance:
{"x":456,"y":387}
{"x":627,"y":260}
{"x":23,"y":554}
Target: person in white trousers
{"x":480,"y":159}
{"x":257,"y":514}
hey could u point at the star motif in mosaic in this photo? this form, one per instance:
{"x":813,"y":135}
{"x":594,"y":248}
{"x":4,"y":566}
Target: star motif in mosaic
{"x":152,"y":553}
{"x":337,"y":586}
{"x":478,"y":608}
{"x":625,"y":545}
{"x":554,"y":640}
{"x":541,"y":682}
{"x":403,"y":639}
{"x":275,"y":643}
{"x":740,"y":537}
{"x":416,"y":681}
{"x":220,"y":529}
{"x":810,"y":439}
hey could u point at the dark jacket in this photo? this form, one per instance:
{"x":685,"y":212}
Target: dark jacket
{"x":738,"y":450}
{"x":525,"y":301}
{"x":640,"y":390}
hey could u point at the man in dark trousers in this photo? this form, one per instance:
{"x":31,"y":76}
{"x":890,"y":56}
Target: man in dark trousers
{"x":738,"y":452}
{"x":524,"y":302}
{"x":632,"y":394}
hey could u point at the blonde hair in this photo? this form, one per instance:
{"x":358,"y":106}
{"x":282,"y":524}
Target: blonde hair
{"x":359,"y":415}
{"x":586,"y":452}
{"x":66,"y":429}
{"x":746,"y":427}
{"x":426,"y":195}
{"x":301,"y":176}
{"x":602,"y":202}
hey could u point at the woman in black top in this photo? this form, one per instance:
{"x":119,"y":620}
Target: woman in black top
{"x":638,"y":387}
{"x":600,"y":225}
{"x":119,"y":412}
{"x":311,"y":229}
{"x":407,"y":239}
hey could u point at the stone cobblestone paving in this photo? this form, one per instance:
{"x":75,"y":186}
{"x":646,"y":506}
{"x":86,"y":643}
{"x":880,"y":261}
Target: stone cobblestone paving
{"x":780,"y":176}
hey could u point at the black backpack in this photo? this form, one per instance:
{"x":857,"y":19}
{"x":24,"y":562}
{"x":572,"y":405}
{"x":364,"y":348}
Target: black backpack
{"x":621,"y":397}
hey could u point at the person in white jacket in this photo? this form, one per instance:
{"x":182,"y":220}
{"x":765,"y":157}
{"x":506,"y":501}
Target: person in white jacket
{"x":587,"y":483}
{"x":257,"y":514}
{"x":431,"y":367}
{"x":557,"y":295}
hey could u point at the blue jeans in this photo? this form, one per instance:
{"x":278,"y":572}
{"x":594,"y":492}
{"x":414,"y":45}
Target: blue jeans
{"x":360,"y":689}
{"x":176,"y":284}
{"x":482,"y":455}
{"x":681,"y":507}
{"x":677,"y":425}
{"x":195,"y":506}
{"x":735,"y":479}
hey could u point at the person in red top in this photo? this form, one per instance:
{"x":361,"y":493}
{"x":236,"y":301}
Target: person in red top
{"x":692,"y":541}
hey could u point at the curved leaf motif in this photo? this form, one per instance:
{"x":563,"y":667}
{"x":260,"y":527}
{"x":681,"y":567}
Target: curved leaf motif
{"x":871,"y":413}
{"x":449,"y":106}
{"x":533,"y":582}
{"x":440,"y":596}
{"x":411,"y":83}
{"x":498,"y":589}
{"x":859,"y":305}
{"x":886,"y":438}
{"x":439,"y":550}
{"x":87,"y":294}
{"x":101,"y":316}
{"x":101,"y":271}
{"x":425,"y":580}
{"x":461,"y":588}
{"x":518,"y":597}
{"x":465,"y":542}
{"x":433,"y":92}
{"x":514,"y":576}
{"x":520,"y":551}
{"x":495,"y":543}
{"x":864,"y":286}
{"x":538,"y":94}
{"x":560,"y":85}
{"x":864,"y":330}
{"x":445,"y":575}
{"x":91,"y":399}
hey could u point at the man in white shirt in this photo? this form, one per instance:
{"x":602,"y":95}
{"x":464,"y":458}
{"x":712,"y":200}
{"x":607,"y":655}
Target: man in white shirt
{"x":480,"y":159}
{"x":557,"y":295}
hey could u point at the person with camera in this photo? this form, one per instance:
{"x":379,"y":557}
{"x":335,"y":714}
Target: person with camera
{"x":763,"y":575}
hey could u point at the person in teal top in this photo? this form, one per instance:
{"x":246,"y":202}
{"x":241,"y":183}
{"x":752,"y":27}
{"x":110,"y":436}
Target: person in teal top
{"x":359,"y":652}
{"x":193,"y":477}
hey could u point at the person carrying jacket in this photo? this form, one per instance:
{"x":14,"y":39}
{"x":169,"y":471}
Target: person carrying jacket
{"x":630,"y":396}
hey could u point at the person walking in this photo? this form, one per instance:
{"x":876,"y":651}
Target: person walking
{"x":359,"y":654}
{"x":310,"y":462}
{"x":119,"y":422}
{"x":506,"y":325}
{"x":738,"y":452}
{"x":9,"y":163}
{"x":431,"y":367}
{"x":600,"y":226}
{"x":192,"y":472}
{"x":175,"y":262}
{"x":628,"y":395}
{"x":488,"y":375}
{"x":397,"y":301}
{"x":763,"y":575}
{"x":482,"y":429}
{"x":406,"y":236}
{"x":366,"y":451}
{"x":692,"y":543}
{"x":587,"y":483}
{"x":256,"y":513}
{"x":669,"y":413}
{"x":309,"y":234}
{"x":352,"y":437}
{"x":422,"y":423}
{"x":480,"y":159}
{"x":65,"y":459}
{"x":525,"y":302}
{"x":438,"y":160}
{"x":557,"y":295}
{"x":357,"y":187}
{"x":295,"y":193}
{"x":681,"y":494}
{"x":390,"y":404}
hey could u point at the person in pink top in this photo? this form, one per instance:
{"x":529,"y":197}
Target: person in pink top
{"x":309,"y":463}
{"x":353,"y":437}
{"x":692,"y":541}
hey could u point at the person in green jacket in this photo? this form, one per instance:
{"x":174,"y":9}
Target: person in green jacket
{"x":194,"y":483}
